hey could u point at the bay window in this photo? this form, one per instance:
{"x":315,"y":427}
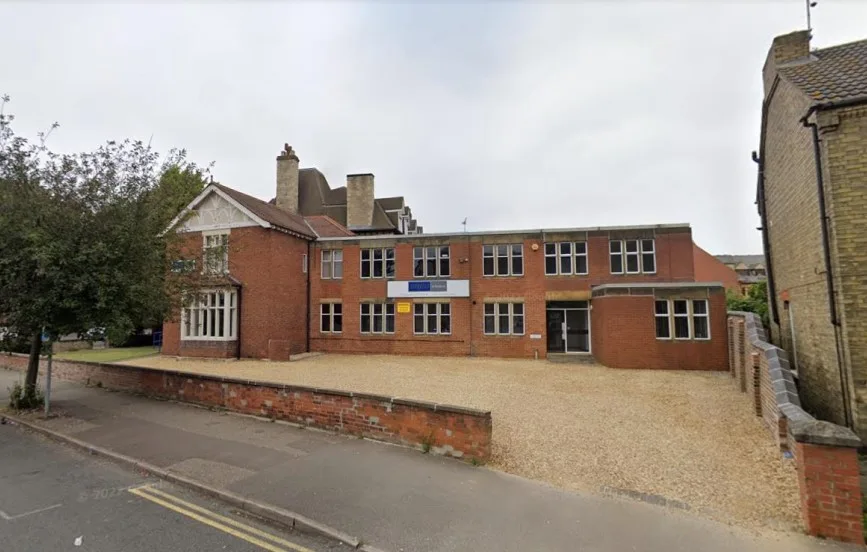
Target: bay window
{"x":211,"y":315}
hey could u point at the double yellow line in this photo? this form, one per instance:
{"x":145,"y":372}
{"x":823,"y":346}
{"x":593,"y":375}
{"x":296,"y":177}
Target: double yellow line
{"x":227,"y":525}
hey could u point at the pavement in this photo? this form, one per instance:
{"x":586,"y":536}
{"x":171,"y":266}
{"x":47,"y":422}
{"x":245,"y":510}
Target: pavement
{"x":55,"y":498}
{"x":393,"y":498}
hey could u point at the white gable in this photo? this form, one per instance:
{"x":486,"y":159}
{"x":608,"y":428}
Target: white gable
{"x":215,"y":212}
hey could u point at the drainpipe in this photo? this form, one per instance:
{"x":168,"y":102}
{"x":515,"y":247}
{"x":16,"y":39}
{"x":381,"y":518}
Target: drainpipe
{"x":472,"y":300}
{"x":829,"y":275}
{"x":240,"y":317}
{"x":307,"y":315}
{"x":760,"y":199}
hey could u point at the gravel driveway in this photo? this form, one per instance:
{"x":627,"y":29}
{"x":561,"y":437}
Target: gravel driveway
{"x":688,"y":437}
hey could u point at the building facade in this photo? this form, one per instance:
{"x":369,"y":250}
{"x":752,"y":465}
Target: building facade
{"x":277,"y":283}
{"x":812,"y":173}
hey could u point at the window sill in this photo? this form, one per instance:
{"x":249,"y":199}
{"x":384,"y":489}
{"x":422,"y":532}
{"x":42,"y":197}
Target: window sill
{"x":499,"y":276}
{"x":487,"y":335}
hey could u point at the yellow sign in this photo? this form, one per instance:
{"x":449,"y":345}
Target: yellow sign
{"x":403,"y":308}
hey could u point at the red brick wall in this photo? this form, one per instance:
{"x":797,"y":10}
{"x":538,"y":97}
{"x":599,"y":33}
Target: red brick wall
{"x":710,"y":269}
{"x":450,"y":430}
{"x":674,"y":263}
{"x":830,"y":491}
{"x":624,"y":336}
{"x":273,"y":296}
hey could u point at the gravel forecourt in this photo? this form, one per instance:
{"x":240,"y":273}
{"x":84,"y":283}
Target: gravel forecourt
{"x":689,"y":437}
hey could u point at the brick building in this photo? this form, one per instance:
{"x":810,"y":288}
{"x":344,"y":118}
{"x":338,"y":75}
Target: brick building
{"x":811,"y":181}
{"x":277,"y":283}
{"x":711,"y":269}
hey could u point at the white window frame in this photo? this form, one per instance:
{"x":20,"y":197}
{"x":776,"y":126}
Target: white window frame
{"x":634,"y":254}
{"x":332,"y":262}
{"x":496,"y":313}
{"x":644,"y":252}
{"x":619,"y":254}
{"x":667,"y":317}
{"x":327,"y":309}
{"x":573,"y":256}
{"x":442,"y":253}
{"x":640,"y":252}
{"x":215,"y":252}
{"x":205,"y":307}
{"x":675,"y":316}
{"x":383,"y":261}
{"x":510,"y":257}
{"x":438,"y":315}
{"x":694,"y":315}
{"x":370,"y":307}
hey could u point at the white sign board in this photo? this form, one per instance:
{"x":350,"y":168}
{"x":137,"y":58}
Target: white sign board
{"x":535,"y":336}
{"x":429,"y":288}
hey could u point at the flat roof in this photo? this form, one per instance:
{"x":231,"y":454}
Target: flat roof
{"x":684,"y":226}
{"x":658,"y":285}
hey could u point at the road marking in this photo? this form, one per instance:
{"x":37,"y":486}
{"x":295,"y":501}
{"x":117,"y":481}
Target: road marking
{"x":147,"y":492}
{"x":7,"y":517}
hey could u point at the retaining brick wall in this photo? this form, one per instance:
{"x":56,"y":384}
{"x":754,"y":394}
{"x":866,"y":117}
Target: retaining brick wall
{"x":825,"y":453}
{"x":449,"y":430}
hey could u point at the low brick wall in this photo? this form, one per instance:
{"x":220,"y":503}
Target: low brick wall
{"x":826,"y":455}
{"x":443,"y":429}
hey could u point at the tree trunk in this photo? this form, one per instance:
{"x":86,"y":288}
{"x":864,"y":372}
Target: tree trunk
{"x":33,"y":366}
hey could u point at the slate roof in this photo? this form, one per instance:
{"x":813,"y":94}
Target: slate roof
{"x":831,"y":74}
{"x":746,"y":259}
{"x":327,"y":227}
{"x":269,"y":212}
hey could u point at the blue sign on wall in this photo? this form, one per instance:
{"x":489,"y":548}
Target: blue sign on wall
{"x":419,"y":286}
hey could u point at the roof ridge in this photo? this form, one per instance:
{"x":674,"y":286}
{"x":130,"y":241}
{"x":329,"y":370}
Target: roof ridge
{"x":843,"y":45}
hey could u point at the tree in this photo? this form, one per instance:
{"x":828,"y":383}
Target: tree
{"x":756,"y":300}
{"x":81,"y":245}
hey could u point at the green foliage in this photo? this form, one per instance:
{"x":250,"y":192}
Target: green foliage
{"x":756,"y":300}
{"x":21,"y":400}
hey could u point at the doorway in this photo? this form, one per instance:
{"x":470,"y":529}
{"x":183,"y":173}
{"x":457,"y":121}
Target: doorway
{"x":568,"y":326}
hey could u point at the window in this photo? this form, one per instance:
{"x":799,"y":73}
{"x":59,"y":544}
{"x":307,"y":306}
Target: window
{"x":631,"y":256}
{"x":216,"y":253}
{"x":565,"y":258}
{"x":700,"y":321}
{"x":304,"y":263}
{"x":332,"y":264}
{"x":331,"y":318}
{"x":377,"y":318}
{"x":504,"y":319}
{"x":432,"y":318}
{"x":681,"y":319}
{"x":503,"y":260}
{"x":663,"y":322}
{"x":430,"y":262}
{"x":377,"y":263}
{"x":211,"y":315}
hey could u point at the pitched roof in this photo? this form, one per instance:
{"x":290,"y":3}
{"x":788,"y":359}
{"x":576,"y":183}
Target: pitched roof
{"x":831,"y":74}
{"x":745,"y":259}
{"x":268,"y":212}
{"x":327,"y":227}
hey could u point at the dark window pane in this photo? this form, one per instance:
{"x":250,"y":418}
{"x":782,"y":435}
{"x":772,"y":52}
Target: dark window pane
{"x":337,"y":308}
{"x":646,"y":246}
{"x":377,"y":254}
{"x":566,"y":265}
{"x":365,"y":254}
{"x":431,"y":266}
{"x":419,"y":268}
{"x":365,"y":319}
{"x":389,"y":322}
{"x":325,"y":323}
{"x":377,"y":269}
{"x":681,"y":327}
{"x":418,"y":308}
{"x":648,"y":262}
{"x":338,"y":322}
{"x":699,"y":307}
{"x":488,"y":251}
{"x":389,"y":268}
{"x":632,"y":246}
{"x":518,"y":324}
{"x":445,"y":308}
{"x":502,"y":251}
{"x":444,"y":267}
{"x":661,"y":307}
{"x":662,"y":330}
{"x":550,"y":265}
{"x":616,"y":264}
{"x":565,"y":248}
{"x":615,"y":246}
{"x":631,"y":263}
{"x":680,"y":307}
{"x":580,"y":248}
{"x":580,"y":265}
{"x":365,"y":269}
{"x":445,"y":323}
{"x":700,"y":327}
{"x":503,"y":265}
{"x":377,"y":320}
{"x":489,"y":308}
{"x":489,"y":322}
{"x":550,"y":249}
{"x":489,"y":266}
{"x":431,"y":321}
{"x":418,"y":321}
{"x":503,"y":324}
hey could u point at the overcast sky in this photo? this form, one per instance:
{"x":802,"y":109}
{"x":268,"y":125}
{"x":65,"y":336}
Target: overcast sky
{"x":515,"y":115}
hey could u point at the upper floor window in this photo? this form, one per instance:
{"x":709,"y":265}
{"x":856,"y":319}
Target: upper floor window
{"x":682,"y":318}
{"x":332,"y":264}
{"x":377,"y":263}
{"x":503,"y":260}
{"x":430,"y":262}
{"x":632,"y":256}
{"x":216,"y":253}
{"x":432,"y":318}
{"x":211,"y":315}
{"x":377,"y":318}
{"x":566,"y":258}
{"x":504,"y":319}
{"x":331,"y":317}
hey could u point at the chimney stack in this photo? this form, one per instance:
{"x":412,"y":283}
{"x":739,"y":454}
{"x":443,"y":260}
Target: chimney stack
{"x":359,"y":200}
{"x":785,"y":49}
{"x":287,"y":180}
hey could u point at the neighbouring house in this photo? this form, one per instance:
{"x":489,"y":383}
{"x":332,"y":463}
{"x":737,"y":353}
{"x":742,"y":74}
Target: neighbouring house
{"x":278,"y":282}
{"x":749,"y":268}
{"x":710,"y":269}
{"x":812,"y":174}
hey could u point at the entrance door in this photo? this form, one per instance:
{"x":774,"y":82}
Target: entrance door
{"x":568,"y":325}
{"x":556,"y":322}
{"x":577,"y":331}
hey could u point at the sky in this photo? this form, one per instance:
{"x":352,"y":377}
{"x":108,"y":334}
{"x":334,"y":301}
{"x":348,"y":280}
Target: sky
{"x":511,"y":114}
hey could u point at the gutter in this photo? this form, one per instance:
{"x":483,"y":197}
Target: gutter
{"x":760,"y":200}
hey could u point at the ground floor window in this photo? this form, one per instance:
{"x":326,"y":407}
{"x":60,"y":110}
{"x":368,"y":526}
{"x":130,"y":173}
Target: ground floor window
{"x":331,"y":317}
{"x":211,"y":315}
{"x":504,"y":319}
{"x":689,"y":319}
{"x":377,"y":318}
{"x":432,"y":318}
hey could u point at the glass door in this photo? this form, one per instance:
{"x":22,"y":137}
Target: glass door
{"x":577,"y":331}
{"x":556,"y":319}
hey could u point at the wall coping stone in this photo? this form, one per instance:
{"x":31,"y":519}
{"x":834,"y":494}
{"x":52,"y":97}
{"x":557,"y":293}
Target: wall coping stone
{"x":820,"y":432}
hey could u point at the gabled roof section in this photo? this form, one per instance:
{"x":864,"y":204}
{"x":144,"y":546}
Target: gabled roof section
{"x":268,"y":212}
{"x":327,"y":227}
{"x":831,"y":74}
{"x":745,"y":259}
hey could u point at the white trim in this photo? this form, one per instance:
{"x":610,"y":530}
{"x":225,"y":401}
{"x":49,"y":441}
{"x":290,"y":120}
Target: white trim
{"x":660,"y":285}
{"x":510,"y":307}
{"x":667,"y":317}
{"x":693,"y":316}
{"x":688,"y":316}
{"x":209,"y":189}
{"x":229,"y":315}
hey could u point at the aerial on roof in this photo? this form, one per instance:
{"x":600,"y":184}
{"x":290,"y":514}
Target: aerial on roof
{"x":831,"y":74}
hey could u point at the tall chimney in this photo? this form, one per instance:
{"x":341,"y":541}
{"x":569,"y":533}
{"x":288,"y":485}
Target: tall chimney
{"x":287,"y":180}
{"x":359,"y":200}
{"x":785,"y":49}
